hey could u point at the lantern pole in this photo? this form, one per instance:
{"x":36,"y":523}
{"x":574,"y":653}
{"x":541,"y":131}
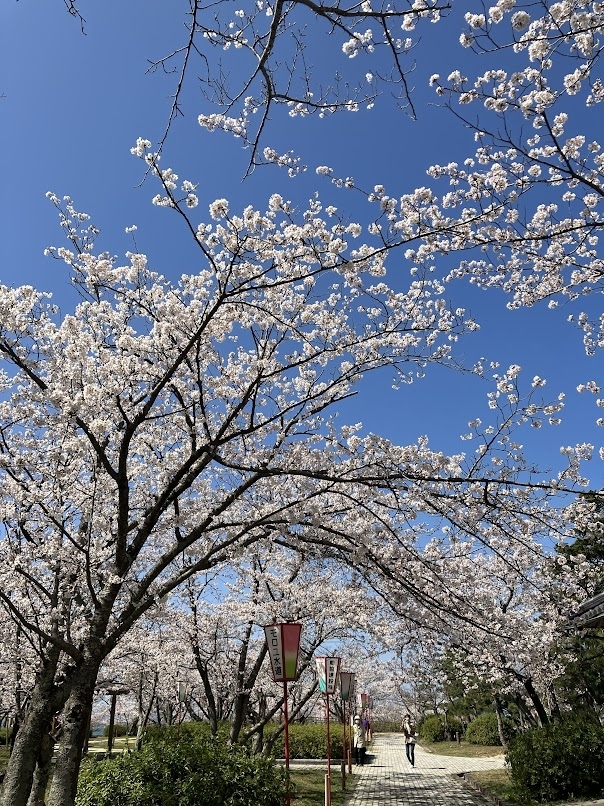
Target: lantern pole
{"x":328,"y":671}
{"x":286,"y":743}
{"x":344,"y":746}
{"x":351,"y":695}
{"x":328,"y":789}
{"x":283,"y":642}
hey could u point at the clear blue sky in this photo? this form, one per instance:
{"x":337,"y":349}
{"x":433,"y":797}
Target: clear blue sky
{"x":74,"y":105}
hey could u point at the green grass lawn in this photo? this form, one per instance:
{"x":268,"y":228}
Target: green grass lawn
{"x":463,"y":749}
{"x":309,"y":787}
{"x":500,"y":783}
{"x":120,"y":744}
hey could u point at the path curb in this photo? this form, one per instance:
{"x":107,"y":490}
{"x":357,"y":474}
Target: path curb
{"x":482,"y":790}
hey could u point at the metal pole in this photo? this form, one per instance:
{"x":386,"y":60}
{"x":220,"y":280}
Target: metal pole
{"x":345,"y":743}
{"x":344,"y":746}
{"x":350,"y":735}
{"x":328,"y":778}
{"x":286,"y":742}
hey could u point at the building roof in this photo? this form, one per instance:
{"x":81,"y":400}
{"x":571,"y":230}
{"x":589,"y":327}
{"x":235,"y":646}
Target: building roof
{"x":590,"y":614}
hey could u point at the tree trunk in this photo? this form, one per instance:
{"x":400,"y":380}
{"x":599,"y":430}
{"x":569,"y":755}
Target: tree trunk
{"x":42,"y":772}
{"x":500,"y":730}
{"x":75,"y":718}
{"x":144,"y":713}
{"x":554,"y":706}
{"x":239,"y":712}
{"x":536,"y":700}
{"x":45,"y":701}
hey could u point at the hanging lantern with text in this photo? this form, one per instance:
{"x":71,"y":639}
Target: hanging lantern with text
{"x":328,"y":670}
{"x":283,"y":641}
{"x":346,"y":685}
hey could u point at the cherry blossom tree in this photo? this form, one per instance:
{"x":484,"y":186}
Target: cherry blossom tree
{"x":162,"y":429}
{"x":502,"y":622}
{"x":527,"y":201}
{"x":166,"y":452}
{"x":219,"y":630}
{"x":179,"y":424}
{"x":272,"y":64}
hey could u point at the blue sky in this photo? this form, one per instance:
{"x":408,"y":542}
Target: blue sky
{"x":74,"y":105}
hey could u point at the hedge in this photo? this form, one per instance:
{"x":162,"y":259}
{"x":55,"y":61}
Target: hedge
{"x":483,"y":730}
{"x":192,"y":771}
{"x":310,"y":740}
{"x":432,"y":729}
{"x":560,"y":761}
{"x":118,"y":730}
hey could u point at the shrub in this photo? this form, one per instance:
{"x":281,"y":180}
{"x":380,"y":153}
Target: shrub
{"x":453,"y":727}
{"x":559,"y":761}
{"x":432,"y":729}
{"x":195,"y":771}
{"x":309,"y":741}
{"x":386,"y":726}
{"x":190,"y":728}
{"x":118,"y":730}
{"x":483,"y":730}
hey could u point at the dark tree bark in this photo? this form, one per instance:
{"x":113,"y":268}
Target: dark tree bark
{"x":74,"y":723}
{"x":42,"y":772}
{"x":536,"y":701}
{"x":46,"y":700}
{"x":500,"y":729}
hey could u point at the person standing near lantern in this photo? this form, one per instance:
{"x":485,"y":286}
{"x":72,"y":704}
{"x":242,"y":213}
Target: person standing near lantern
{"x":410,"y":735}
{"x":359,"y":741}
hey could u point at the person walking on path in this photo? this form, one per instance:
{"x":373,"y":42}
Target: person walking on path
{"x":390,"y":780}
{"x":358,"y":740}
{"x":410,"y":735}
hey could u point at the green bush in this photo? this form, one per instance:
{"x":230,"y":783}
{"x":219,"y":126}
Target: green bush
{"x":118,"y":730}
{"x":453,"y":727}
{"x":432,"y":729}
{"x":309,"y":741}
{"x":195,"y":771}
{"x":192,"y":728}
{"x":386,"y":726}
{"x":560,"y":761}
{"x":483,"y":730}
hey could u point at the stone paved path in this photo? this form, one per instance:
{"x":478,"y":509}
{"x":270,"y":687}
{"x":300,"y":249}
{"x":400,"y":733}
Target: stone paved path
{"x":389,"y":780}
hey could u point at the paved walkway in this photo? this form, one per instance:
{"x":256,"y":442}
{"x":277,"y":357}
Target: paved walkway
{"x":387,"y":779}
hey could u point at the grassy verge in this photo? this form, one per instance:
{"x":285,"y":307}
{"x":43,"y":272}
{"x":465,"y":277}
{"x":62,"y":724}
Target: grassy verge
{"x":120,"y":743}
{"x":310,"y":787}
{"x":499,"y":783}
{"x":463,"y":749}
